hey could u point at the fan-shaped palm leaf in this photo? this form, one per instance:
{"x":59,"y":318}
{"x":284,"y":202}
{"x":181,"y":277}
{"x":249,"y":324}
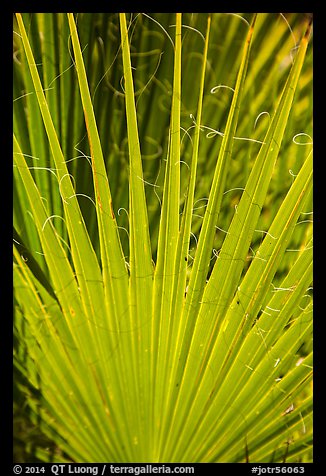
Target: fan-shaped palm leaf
{"x":163,"y":237}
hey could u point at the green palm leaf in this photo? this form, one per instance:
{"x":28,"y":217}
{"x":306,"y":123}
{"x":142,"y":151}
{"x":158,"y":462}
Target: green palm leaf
{"x":163,"y":237}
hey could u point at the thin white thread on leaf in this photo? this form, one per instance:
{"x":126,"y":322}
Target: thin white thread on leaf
{"x":182,"y":162}
{"x":232,"y":189}
{"x":194,"y":236}
{"x":82,"y":195}
{"x":140,"y":92}
{"x":291,"y":31}
{"x":273,"y":309}
{"x":191,"y":28}
{"x":67,"y":69}
{"x":214,"y":132}
{"x":215,"y":88}
{"x":23,"y":95}
{"x":18,"y":34}
{"x":221,"y":229}
{"x":238,"y":16}
{"x":186,"y":133}
{"x":48,"y":169}
{"x":50,"y":218}
{"x":60,"y":182}
{"x":155,"y":21}
{"x":267,"y":233}
{"x":300,"y":134}
{"x":258,"y":117}
{"x":148,"y":183}
{"x":27,"y":155}
{"x":123,"y":209}
{"x":276,"y":289}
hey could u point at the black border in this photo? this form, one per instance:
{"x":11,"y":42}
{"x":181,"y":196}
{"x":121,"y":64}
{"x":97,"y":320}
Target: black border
{"x":6,"y":211}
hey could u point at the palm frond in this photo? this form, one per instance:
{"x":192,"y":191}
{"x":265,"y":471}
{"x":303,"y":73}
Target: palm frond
{"x":163,"y":237}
